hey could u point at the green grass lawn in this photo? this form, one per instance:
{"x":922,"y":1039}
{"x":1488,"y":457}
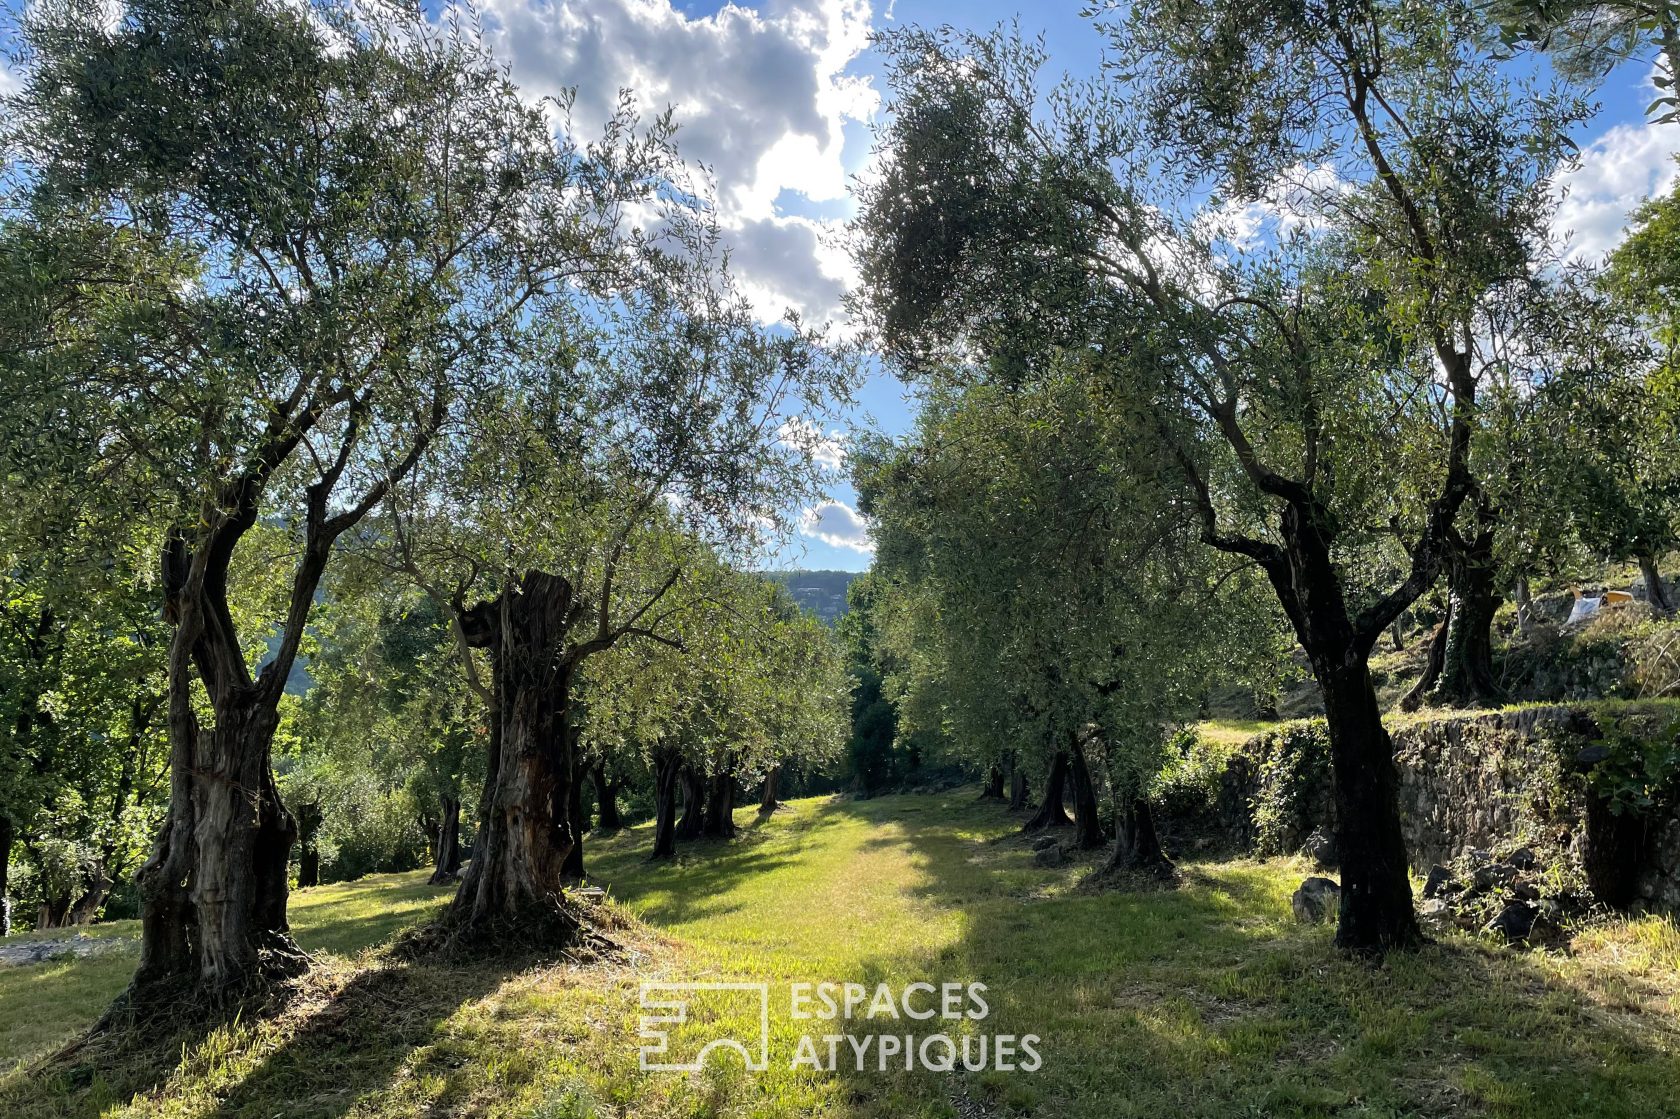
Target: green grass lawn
{"x":1203,"y":1000}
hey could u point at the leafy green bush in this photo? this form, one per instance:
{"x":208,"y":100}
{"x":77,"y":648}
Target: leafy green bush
{"x":1641,"y":773}
{"x":1293,"y":793}
{"x":1187,"y":787}
{"x":368,"y":829}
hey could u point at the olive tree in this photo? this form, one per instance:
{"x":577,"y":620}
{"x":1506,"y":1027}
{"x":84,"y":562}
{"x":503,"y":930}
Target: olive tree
{"x":359,"y":211}
{"x":595,"y":484}
{"x":1315,"y":385}
{"x":1067,"y":621}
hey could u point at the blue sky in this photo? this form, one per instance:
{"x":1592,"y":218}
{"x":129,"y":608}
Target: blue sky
{"x":779,"y":97}
{"x":1624,"y":159}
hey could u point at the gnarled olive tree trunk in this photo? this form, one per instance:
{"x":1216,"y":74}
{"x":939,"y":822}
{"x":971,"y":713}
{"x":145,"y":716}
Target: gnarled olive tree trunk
{"x":446,"y":850}
{"x":719,"y":818}
{"x":309,"y":853}
{"x":1052,"y":813}
{"x":578,"y":814}
{"x":667,"y":772}
{"x":527,"y":828}
{"x":1137,"y":846}
{"x":1087,"y":815}
{"x":213,"y":892}
{"x":1018,"y":790}
{"x":1459,"y":671}
{"x":767,"y":802}
{"x":1655,"y":593}
{"x":1376,"y":896}
{"x":692,"y":824}
{"x":607,"y":817}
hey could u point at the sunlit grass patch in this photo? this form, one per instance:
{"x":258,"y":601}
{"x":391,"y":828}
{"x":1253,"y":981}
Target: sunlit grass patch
{"x":1207,"y":999}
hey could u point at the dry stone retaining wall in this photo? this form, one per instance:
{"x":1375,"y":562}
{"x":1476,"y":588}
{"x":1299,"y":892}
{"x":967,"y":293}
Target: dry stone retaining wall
{"x":1477,"y":782}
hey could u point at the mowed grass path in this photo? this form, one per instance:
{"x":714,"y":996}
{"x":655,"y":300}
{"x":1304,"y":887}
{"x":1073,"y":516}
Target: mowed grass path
{"x":1203,"y":1000}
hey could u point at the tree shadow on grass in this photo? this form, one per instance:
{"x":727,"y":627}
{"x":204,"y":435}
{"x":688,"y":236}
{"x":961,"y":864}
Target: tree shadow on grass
{"x":699,"y":880}
{"x":377,"y":917}
{"x":336,"y":1025}
{"x":354,"y":1043}
{"x":328,"y":1038}
{"x":1211,"y":1000}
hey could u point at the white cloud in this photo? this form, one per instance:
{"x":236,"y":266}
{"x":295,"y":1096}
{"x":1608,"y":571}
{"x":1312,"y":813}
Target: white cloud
{"x":1615,"y":173}
{"x":827,"y":451}
{"x":1298,"y":200}
{"x":791,"y":263}
{"x":839,"y":526}
{"x":761,"y":97}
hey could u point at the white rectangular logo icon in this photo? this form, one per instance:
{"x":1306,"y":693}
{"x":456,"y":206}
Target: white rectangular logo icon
{"x":666,"y":1005}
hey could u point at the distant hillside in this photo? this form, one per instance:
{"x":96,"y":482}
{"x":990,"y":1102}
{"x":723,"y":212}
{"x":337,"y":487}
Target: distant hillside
{"x":822,"y":593}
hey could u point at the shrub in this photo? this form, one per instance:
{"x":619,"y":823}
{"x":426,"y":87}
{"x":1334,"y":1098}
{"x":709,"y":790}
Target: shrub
{"x":1293,"y":792}
{"x":367,"y":829}
{"x":1187,"y":788}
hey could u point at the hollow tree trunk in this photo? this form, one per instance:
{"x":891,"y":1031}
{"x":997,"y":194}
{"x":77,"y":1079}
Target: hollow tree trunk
{"x":667,"y":770}
{"x":1051,"y":814}
{"x":1655,"y":593}
{"x":720,"y":804}
{"x":1137,"y":846}
{"x":993,"y":789}
{"x":767,"y":802}
{"x":606,"y":793}
{"x":446,"y":852}
{"x":693,"y":784}
{"x":1087,"y":820}
{"x":518,"y":865}
{"x":309,"y":854}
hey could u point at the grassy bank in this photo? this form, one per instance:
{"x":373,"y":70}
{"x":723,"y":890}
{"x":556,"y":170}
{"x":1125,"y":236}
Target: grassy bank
{"x":1204,"y":1000}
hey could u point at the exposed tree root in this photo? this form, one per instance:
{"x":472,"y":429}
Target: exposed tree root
{"x":1158,"y":874}
{"x":576,"y":928}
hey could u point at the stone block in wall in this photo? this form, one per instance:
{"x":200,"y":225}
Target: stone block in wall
{"x":1488,"y":781}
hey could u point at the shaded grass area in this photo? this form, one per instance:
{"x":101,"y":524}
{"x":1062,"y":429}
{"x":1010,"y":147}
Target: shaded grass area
{"x":45,"y":1005}
{"x":1205,"y":1000}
